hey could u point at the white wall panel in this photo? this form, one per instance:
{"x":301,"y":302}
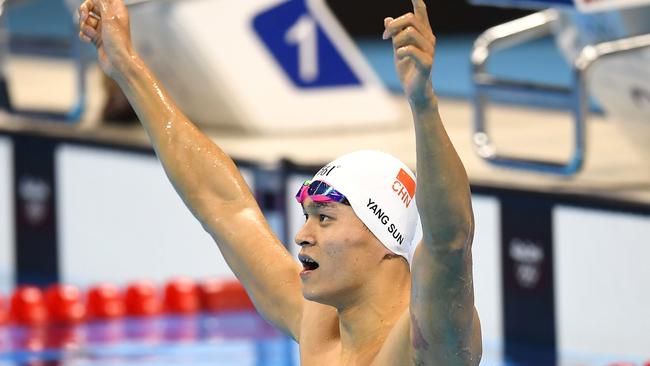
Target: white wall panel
{"x":486,"y":255}
{"x":120,"y":219}
{"x":6,"y":217}
{"x":602,"y":280}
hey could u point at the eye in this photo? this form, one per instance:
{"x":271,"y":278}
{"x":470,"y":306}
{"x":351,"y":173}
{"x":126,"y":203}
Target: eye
{"x":323,"y":217}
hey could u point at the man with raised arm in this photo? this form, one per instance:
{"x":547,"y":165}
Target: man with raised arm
{"x":382,"y":280}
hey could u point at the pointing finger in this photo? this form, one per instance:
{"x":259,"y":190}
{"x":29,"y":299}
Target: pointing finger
{"x":420,"y":10}
{"x":419,"y":7}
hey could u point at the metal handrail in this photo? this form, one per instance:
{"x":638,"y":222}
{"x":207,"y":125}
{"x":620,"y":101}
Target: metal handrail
{"x":573,"y":98}
{"x":510,"y":34}
{"x":592,"y":53}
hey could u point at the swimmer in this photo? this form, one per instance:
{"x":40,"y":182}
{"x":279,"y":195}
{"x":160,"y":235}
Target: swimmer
{"x":386,"y":273}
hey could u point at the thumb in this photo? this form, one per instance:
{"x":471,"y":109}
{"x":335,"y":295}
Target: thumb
{"x":387,"y":21}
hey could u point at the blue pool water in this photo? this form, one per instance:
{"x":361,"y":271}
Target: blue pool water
{"x":225,"y":339}
{"x":236,"y":338}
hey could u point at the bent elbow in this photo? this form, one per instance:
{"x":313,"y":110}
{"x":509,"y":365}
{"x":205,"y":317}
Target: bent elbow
{"x":452,"y":236}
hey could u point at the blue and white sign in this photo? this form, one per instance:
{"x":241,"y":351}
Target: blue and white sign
{"x":301,"y":47}
{"x":266,"y":66}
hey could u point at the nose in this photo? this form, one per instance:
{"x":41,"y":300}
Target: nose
{"x":304,"y":236}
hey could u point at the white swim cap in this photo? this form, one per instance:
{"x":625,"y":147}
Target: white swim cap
{"x":381,"y":191}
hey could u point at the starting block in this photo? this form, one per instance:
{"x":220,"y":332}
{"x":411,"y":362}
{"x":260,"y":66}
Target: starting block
{"x":609,"y":53}
{"x":266,"y":66}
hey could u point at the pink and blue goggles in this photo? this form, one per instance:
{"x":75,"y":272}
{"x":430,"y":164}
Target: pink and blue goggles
{"x":320,"y":191}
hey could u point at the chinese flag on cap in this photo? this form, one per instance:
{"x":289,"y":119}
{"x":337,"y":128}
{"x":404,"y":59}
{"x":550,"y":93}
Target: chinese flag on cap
{"x":407,"y":182}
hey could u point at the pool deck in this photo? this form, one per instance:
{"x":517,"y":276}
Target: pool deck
{"x":614,"y":169}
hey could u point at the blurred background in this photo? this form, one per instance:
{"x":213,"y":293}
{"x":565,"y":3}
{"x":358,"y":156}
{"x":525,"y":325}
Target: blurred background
{"x":547,"y":103}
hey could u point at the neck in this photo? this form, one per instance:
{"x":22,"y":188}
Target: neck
{"x":365,"y":322}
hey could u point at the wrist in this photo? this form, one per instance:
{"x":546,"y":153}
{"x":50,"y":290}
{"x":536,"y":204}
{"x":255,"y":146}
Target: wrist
{"x":424,"y":103}
{"x":126,"y":65}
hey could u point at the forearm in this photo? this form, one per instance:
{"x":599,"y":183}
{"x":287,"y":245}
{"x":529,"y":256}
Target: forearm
{"x":212,"y":187}
{"x":443,"y":193}
{"x":203,"y":175}
{"x":199,"y":170}
{"x":442,"y":295}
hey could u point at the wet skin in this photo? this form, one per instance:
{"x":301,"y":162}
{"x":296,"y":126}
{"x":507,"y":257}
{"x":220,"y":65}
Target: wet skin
{"x":360,"y":306}
{"x":364,"y":287}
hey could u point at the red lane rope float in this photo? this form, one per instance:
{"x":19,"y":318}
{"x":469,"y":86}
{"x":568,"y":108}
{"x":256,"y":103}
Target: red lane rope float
{"x":3,"y":310}
{"x":28,"y":306}
{"x":224,"y":295}
{"x":141,"y":299}
{"x":64,"y":304}
{"x":182,"y":296}
{"x":104,"y":301}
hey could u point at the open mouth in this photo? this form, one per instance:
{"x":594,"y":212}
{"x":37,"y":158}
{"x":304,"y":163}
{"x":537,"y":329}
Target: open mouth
{"x":308,"y":264}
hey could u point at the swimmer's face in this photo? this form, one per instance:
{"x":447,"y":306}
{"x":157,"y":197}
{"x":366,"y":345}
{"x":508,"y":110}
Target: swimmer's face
{"x":345,"y":253}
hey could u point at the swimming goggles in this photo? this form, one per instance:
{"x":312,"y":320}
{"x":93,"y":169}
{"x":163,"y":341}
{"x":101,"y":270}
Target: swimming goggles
{"x":320,"y":191}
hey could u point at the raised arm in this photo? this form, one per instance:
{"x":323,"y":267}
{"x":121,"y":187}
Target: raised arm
{"x":203,"y":175}
{"x":444,"y":327}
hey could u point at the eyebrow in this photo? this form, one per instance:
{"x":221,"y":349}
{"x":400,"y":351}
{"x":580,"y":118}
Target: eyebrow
{"x":318,"y":206}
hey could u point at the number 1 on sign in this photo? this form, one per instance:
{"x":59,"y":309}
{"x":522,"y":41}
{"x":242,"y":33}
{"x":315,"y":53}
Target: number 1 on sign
{"x":304,"y":34}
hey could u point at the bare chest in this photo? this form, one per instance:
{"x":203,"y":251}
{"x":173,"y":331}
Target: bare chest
{"x":333,"y":359}
{"x":308,"y":358}
{"x":329,"y":353}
